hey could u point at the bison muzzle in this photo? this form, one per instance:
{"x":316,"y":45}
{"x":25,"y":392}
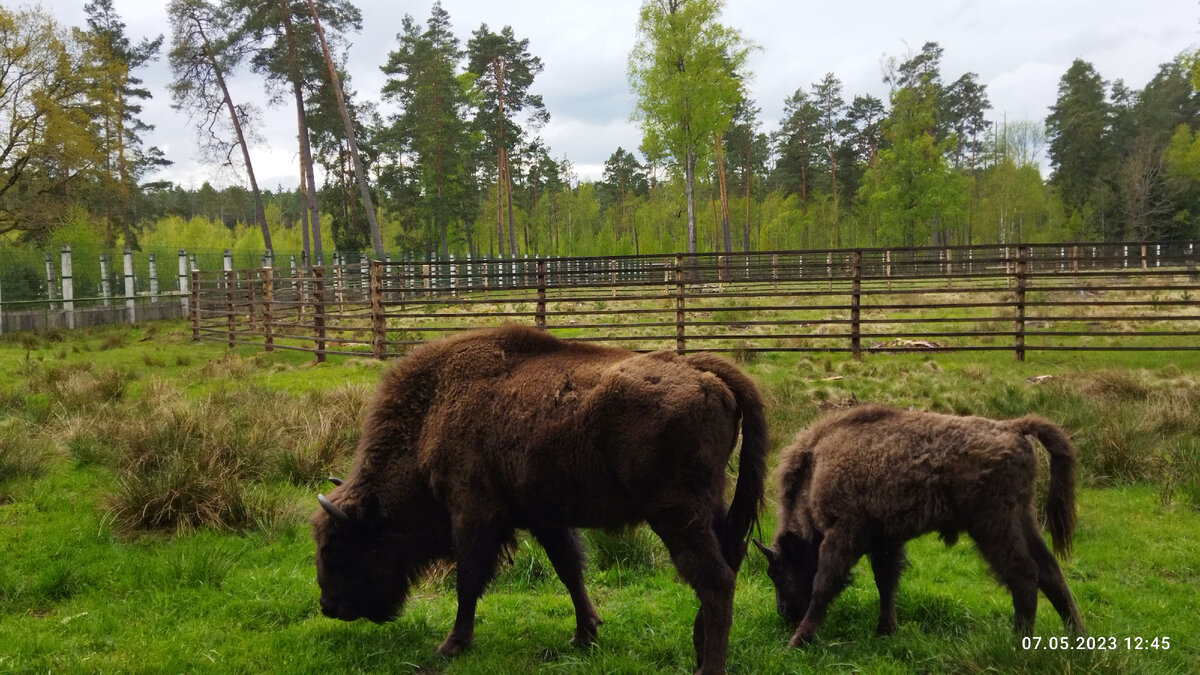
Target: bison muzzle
{"x":866,"y":480}
{"x":471,"y":437}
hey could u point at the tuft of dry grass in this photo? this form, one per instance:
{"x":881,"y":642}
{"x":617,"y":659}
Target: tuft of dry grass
{"x":24,"y":453}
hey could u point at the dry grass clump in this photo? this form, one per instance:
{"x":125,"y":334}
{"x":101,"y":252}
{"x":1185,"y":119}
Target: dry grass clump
{"x":329,"y":434}
{"x":208,"y":463}
{"x":24,"y":453}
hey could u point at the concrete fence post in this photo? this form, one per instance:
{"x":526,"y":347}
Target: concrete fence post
{"x":50,"y":280}
{"x":105,"y":282}
{"x":153,"y":263}
{"x":183,"y":281}
{"x":68,"y":286}
{"x":130,"y":305}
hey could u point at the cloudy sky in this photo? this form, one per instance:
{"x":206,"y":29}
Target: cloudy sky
{"x":1019,"y":49}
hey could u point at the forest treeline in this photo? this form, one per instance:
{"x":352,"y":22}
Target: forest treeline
{"x":458,"y":166}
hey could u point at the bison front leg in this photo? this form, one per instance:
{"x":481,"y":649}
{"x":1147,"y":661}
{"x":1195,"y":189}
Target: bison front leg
{"x":840,"y":549}
{"x":477,"y":544}
{"x":565,"y":553}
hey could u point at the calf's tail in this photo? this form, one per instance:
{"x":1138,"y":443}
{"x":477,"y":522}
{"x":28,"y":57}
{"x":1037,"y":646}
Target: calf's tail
{"x":1060,"y":502}
{"x":734,"y":533}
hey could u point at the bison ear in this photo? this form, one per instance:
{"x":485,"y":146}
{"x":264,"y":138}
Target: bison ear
{"x":771,"y":555}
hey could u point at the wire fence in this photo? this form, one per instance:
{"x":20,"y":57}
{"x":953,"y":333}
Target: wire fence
{"x":1122,"y":296}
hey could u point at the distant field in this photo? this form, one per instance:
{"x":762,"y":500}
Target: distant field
{"x":154,"y":496}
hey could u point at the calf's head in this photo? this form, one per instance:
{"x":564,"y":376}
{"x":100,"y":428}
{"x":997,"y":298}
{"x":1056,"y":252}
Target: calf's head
{"x":791,"y":565}
{"x":362,"y":567}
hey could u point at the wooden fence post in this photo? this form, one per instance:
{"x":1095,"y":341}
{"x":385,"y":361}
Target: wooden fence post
{"x":378,"y":321}
{"x":540,"y":317}
{"x":1143,"y":255}
{"x":318,"y":294}
{"x":268,"y":313}
{"x":195,"y":304}
{"x":251,"y":300}
{"x":855,"y":300}
{"x":887,"y":268}
{"x":949,"y":268}
{"x":680,"y":343}
{"x":612,"y":268}
{"x":230,"y":317}
{"x":1022,"y":274}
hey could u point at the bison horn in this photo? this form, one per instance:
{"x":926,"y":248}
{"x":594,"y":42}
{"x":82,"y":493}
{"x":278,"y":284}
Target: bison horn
{"x":336,"y":513}
{"x":335,"y":480}
{"x":765,"y":550}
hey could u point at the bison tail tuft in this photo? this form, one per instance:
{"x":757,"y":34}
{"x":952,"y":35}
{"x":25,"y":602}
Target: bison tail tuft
{"x":1060,"y":502}
{"x":734,"y":533}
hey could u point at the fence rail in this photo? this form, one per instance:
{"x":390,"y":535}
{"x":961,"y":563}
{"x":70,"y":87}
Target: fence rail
{"x":1016,"y":298}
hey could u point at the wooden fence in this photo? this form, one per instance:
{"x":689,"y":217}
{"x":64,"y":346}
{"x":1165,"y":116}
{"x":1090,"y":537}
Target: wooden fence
{"x":1124,"y":296}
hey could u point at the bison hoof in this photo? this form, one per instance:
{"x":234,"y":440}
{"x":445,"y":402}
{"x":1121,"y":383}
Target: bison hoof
{"x":586,"y":634}
{"x":801,"y":639}
{"x":885,"y":628}
{"x":452,"y":646}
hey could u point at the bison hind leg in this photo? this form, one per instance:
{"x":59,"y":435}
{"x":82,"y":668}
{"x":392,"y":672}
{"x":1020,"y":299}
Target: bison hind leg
{"x":887,"y":563}
{"x":696,"y":554}
{"x":566,"y":555}
{"x":1051,"y":581}
{"x":1005,"y":548}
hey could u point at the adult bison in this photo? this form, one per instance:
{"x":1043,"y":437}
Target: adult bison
{"x":475,"y":435}
{"x":868,"y":479}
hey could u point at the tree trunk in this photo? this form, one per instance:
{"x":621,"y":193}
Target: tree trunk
{"x":122,"y":169}
{"x":726,"y":235}
{"x":359,"y":174}
{"x":302,"y":196}
{"x":689,"y":196}
{"x":306,"y":164}
{"x":260,"y":214}
{"x":500,"y":203}
{"x":512,"y":236}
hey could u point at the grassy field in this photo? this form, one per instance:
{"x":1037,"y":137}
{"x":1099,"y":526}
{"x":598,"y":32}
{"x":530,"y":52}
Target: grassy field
{"x":154,"y":495}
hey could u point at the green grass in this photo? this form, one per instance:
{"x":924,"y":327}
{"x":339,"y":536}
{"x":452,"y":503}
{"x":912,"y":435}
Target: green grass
{"x":83,"y":589}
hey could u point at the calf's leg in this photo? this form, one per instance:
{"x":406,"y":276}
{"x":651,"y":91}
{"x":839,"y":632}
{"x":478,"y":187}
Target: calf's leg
{"x":1003,"y":544}
{"x":887,"y":562}
{"x":840,"y":549}
{"x":697,"y":557}
{"x":565,"y":554}
{"x":1050,"y":579}
{"x":477,"y":543}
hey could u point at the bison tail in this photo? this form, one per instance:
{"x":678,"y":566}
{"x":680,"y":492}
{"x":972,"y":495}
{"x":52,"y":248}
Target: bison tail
{"x":734,"y":533}
{"x":1060,"y":502}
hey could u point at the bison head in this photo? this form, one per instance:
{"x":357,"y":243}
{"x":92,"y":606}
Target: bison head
{"x":791,"y":565}
{"x":361,"y":566}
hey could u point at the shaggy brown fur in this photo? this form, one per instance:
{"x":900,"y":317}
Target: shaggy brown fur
{"x":472,"y":436}
{"x":868,"y":479}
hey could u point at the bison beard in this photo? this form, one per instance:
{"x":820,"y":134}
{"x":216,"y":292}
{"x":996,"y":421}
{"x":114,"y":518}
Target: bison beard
{"x":474,"y":436}
{"x":866,"y":480}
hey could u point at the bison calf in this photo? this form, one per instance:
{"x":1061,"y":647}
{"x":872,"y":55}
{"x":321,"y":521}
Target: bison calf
{"x":866,"y":480}
{"x":471,"y":437}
